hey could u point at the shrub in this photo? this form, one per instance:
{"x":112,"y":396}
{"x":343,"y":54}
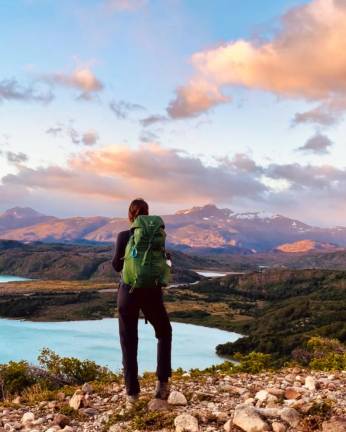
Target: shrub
{"x":15,"y":377}
{"x":74,"y":371}
{"x":326,"y":354}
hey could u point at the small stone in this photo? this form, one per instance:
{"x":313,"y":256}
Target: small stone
{"x":158,"y":405}
{"x":291,"y":393}
{"x":115,"y":398}
{"x":278,"y":427}
{"x":337,"y":424}
{"x":77,"y":400}
{"x":90,"y":411}
{"x":54,"y":429}
{"x":61,"y":420}
{"x":291,"y":416}
{"x":186,"y":423}
{"x":28,"y":417}
{"x":262,"y":395}
{"x":228,"y":426}
{"x":247,"y":419}
{"x":68,"y":429}
{"x":60,"y":396}
{"x":177,"y":398}
{"x":310,"y":383}
{"x":17,"y":400}
{"x":276,"y":391}
{"x":87,"y":388}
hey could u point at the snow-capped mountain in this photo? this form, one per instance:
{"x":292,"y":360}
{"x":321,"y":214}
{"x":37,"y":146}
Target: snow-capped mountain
{"x":199,"y":227}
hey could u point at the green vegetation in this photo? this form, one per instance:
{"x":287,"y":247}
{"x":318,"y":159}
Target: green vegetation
{"x":141,"y":418}
{"x":54,"y":373}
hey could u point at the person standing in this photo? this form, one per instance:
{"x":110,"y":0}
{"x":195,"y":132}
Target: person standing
{"x":141,"y":257}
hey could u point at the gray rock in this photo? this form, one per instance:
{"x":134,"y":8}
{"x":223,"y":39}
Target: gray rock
{"x":186,"y":423}
{"x":28,"y":417}
{"x":291,"y":416}
{"x":177,"y":398}
{"x":310,"y":383}
{"x":247,"y":419}
{"x":158,"y":405}
{"x":76,"y":401}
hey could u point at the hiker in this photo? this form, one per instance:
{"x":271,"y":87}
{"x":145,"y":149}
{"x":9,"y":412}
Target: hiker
{"x":141,"y":257}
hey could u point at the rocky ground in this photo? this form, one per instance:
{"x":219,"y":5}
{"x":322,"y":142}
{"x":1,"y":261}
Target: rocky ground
{"x":288,"y":400}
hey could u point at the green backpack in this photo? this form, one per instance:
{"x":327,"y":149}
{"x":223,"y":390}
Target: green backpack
{"x":145,"y":255}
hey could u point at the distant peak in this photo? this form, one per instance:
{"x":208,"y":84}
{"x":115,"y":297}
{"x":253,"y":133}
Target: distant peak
{"x":22,"y":212}
{"x":205,"y":211}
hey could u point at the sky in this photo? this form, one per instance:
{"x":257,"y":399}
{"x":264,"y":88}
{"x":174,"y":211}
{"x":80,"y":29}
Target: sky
{"x":182,"y":102}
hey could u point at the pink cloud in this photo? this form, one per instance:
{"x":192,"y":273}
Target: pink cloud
{"x":305,"y":59}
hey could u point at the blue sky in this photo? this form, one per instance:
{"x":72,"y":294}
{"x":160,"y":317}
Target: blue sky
{"x":64,"y":63}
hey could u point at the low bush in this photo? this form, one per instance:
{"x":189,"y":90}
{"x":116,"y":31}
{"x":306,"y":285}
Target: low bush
{"x":55,"y":372}
{"x":74,"y":371}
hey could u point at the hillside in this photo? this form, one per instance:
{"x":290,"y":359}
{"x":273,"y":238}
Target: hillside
{"x":303,"y":246}
{"x":78,"y":262}
{"x":206,"y":228}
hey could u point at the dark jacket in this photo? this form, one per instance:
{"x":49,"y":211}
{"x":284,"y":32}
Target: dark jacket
{"x":118,"y":258}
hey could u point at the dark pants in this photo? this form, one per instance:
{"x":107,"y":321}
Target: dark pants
{"x":150,"y":301}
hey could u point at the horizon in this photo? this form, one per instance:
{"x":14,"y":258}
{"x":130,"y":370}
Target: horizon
{"x":180,"y":102}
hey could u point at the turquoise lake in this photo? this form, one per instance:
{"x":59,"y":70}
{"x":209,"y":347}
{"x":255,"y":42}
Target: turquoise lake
{"x":6,"y":278}
{"x":193,"y":346}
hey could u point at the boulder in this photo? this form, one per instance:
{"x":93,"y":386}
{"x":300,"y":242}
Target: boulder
{"x":186,"y":423}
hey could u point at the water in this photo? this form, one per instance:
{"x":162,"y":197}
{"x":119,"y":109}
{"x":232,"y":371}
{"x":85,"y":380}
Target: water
{"x":193,"y":346}
{"x":7,"y":278}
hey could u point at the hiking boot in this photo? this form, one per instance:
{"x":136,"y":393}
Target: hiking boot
{"x":162,"y":390}
{"x":131,"y":400}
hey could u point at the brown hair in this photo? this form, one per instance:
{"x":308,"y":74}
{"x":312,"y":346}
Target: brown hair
{"x":138,"y":207}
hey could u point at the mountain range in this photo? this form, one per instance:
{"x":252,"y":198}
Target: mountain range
{"x":206,"y":228}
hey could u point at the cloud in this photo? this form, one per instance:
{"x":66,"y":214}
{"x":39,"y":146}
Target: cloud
{"x":16,"y":158}
{"x":197,"y":97}
{"x":55,"y":130}
{"x":121,"y":108}
{"x":148,"y":137}
{"x":305,"y":59}
{"x":317,"y":144}
{"x":153,"y":119}
{"x":160,"y":174}
{"x":82,"y":79}
{"x":125,"y":5}
{"x":10,"y":89}
{"x":90,"y":138}
{"x":171,"y":176}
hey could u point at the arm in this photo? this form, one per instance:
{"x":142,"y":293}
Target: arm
{"x":118,"y":258}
